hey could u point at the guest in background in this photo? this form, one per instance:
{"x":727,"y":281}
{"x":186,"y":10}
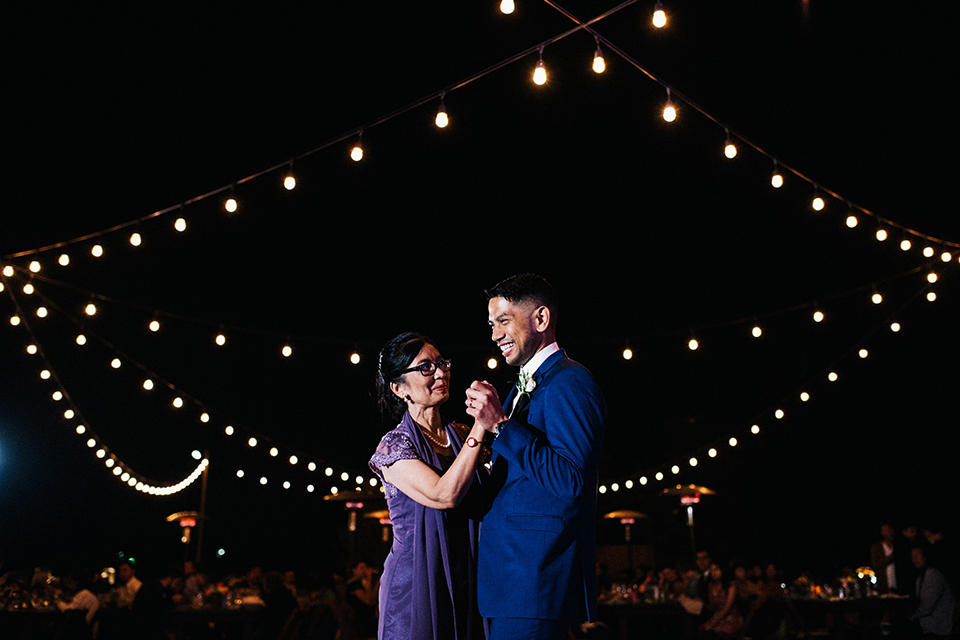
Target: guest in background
{"x":882,"y":559}
{"x":935,"y":607}
{"x":725,"y":620}
{"x":78,"y":595}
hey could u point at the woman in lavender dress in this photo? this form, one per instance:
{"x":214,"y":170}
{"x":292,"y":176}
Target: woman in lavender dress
{"x":430,"y":471}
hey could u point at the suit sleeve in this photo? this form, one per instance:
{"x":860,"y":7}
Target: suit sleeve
{"x":557,"y":457}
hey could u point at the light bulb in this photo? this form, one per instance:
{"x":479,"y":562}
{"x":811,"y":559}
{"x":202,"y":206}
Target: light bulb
{"x":28,"y":289}
{"x":832,"y":376}
{"x":81,"y":339}
{"x":135,"y":239}
{"x":90,"y":309}
{"x":863,"y":353}
{"x":757,"y":331}
{"x":627,"y":354}
{"x":881,"y":234}
{"x":354,"y":358}
{"x":895,"y":327}
{"x":34,"y":266}
{"x":221,"y":339}
{"x":804,"y":397}
{"x":287,"y":351}
{"x":41,"y":312}
{"x":540,"y":74}
{"x":154,"y":325}
{"x":492,"y":363}
{"x":599,"y":64}
{"x":230,"y":205}
{"x":8,"y":270}
{"x":96,"y":251}
{"x":356,"y":153}
{"x":928,"y":252}
{"x":905,"y":245}
{"x":946,"y":256}
{"x":693,"y":344}
{"x":659,"y":17}
{"x":730,"y":150}
{"x":776,"y":180}
{"x":755,"y":429}
{"x":669,"y":112}
{"x":876,"y":298}
{"x":442,"y":119}
{"x":852,"y":221}
{"x":115,"y":363}
{"x":931,"y":296}
{"x":818,"y":316}
{"x":64,"y":260}
{"x":289,"y":182}
{"x":818,"y":204}
{"x":507,"y":7}
{"x":180,"y":225}
{"x":931,"y":277}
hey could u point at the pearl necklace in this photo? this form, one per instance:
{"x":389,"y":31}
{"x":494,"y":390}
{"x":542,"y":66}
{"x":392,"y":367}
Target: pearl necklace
{"x":435,"y":440}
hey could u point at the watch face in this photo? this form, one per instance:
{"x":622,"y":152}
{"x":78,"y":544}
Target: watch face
{"x":472,"y":442}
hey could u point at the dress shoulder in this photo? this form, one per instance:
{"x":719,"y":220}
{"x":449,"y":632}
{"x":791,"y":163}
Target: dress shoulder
{"x":395,"y":445}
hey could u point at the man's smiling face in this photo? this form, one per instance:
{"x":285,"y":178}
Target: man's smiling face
{"x":514,"y":328}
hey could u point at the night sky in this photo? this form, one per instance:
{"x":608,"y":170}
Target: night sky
{"x":650,"y":235}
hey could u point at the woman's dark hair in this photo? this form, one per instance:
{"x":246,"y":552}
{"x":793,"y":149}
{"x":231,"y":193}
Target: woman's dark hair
{"x":396,"y":355}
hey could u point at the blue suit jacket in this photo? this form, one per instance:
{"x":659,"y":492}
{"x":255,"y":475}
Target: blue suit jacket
{"x":538,"y":539}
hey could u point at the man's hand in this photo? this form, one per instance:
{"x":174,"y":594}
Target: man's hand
{"x":483,"y":405}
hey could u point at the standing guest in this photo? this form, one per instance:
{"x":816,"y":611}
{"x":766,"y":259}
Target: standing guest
{"x":429,"y":469}
{"x":882,"y":559}
{"x":935,"y":607}
{"x":537,"y":571}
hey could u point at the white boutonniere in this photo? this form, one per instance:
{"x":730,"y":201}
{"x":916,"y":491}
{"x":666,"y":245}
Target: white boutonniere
{"x":526,"y":384}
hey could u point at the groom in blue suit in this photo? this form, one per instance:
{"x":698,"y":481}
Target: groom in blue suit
{"x":537,"y":562}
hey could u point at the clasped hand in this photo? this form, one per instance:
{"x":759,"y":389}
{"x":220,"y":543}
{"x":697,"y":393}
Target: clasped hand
{"x":483,"y":405}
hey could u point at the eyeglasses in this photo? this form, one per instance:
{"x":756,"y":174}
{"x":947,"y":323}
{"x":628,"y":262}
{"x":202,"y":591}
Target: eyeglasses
{"x":429,"y":368}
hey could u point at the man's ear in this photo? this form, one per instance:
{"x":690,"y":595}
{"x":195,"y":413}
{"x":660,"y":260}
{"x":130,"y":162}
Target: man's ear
{"x":541,"y":316}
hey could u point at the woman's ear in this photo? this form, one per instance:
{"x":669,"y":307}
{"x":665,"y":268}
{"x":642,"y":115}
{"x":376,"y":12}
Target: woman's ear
{"x":396,"y":390}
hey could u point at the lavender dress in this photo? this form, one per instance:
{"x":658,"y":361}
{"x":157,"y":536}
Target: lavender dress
{"x":429,"y":584}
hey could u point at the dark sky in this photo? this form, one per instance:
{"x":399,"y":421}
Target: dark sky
{"x":648,"y":232}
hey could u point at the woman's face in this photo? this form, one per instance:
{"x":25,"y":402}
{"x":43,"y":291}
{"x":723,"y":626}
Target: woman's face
{"x":715,"y":573}
{"x":425,"y":391}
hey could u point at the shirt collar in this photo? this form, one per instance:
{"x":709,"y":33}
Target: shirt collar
{"x":539,"y":357}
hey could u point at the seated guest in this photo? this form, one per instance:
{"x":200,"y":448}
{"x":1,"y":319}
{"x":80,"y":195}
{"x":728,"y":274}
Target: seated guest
{"x":725,"y":620}
{"x":78,"y":596}
{"x":123,"y":595}
{"x":935,"y":608}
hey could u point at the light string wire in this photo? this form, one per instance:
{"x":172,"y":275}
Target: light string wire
{"x":292,"y":454}
{"x":731,"y":133}
{"x":358,"y":131}
{"x":585,"y":26}
{"x":290,"y":339}
{"x":693,"y":457}
{"x":119,"y":469}
{"x":345,"y":474}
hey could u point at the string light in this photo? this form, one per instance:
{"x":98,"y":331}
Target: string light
{"x":928,"y":252}
{"x":492,"y":363}
{"x":895,"y":327}
{"x":881,"y":234}
{"x":63,"y":260}
{"x":442,"y":120}
{"x":96,"y":251}
{"x":154,"y":326}
{"x":356,"y":153}
{"x":693,"y":345}
{"x":230,"y":204}
{"x":90,"y":309}
{"x":507,"y":7}
{"x":289,"y":180}
{"x":946,"y":256}
{"x":599,"y":64}
{"x":659,"y":16}
{"x":818,"y":316}
{"x":28,"y":289}
{"x":876,"y":298}
{"x":776,"y":179}
{"x":931,"y":277}
{"x":669,"y":111}
{"x":755,"y":429}
{"x":729,"y":149}
{"x":220,"y":339}
{"x":135,"y":239}
{"x":931,"y":296}
{"x":817,"y":203}
{"x":540,"y":73}
{"x":863,"y":353}
{"x":286,"y":351}
{"x":756,"y":331}
{"x":180,"y":225}
{"x":34,"y":266}
{"x":627,"y":353}
{"x":354,"y":358}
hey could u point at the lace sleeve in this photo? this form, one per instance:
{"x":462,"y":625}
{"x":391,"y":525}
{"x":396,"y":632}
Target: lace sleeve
{"x":394,"y":446}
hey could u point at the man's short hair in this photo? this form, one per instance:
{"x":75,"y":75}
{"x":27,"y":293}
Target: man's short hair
{"x":525,"y":287}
